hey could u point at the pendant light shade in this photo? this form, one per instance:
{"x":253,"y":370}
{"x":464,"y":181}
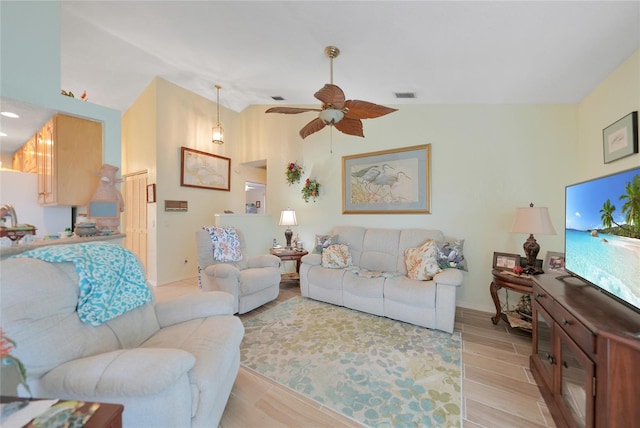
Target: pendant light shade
{"x":217,"y":133}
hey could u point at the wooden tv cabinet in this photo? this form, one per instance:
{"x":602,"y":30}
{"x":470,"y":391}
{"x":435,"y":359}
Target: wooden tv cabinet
{"x":586,"y":354}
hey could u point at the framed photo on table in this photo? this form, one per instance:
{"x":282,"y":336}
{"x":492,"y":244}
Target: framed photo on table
{"x":554,"y":262}
{"x":505,"y":261}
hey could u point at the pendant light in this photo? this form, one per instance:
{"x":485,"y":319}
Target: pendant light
{"x":217,"y":133}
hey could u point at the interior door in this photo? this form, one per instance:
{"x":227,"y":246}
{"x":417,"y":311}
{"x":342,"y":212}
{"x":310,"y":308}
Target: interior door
{"x":135,"y":215}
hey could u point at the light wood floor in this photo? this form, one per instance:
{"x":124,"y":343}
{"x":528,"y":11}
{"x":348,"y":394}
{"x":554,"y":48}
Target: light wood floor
{"x":498,"y":388}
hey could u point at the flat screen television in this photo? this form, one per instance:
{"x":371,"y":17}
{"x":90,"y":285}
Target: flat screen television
{"x":602,"y":234}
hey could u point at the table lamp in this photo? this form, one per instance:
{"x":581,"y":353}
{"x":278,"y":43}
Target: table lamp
{"x":288,"y":218}
{"x":532,"y":220}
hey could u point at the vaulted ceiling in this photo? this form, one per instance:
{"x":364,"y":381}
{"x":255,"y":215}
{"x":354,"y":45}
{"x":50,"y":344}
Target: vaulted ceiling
{"x":446,"y":52}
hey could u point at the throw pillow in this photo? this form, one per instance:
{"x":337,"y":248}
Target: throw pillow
{"x":421,"y":262}
{"x":336,"y":256}
{"x":323,"y":241}
{"x":226,"y":244}
{"x":450,"y":254}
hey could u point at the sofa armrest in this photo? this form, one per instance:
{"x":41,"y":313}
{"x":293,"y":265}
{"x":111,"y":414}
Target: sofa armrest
{"x":449,"y":276}
{"x":313,"y":259}
{"x":263,"y":260}
{"x":126,"y":372}
{"x":201,"y":305}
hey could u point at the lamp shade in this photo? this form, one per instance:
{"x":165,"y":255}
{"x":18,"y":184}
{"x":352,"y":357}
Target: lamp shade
{"x":288,"y":218}
{"x":533,"y":220}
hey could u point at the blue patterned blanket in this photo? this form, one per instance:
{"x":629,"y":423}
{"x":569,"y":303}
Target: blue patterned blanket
{"x":112,"y":281}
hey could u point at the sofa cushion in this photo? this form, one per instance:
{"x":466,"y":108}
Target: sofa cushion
{"x":380,"y":250}
{"x":336,"y":257}
{"x":410,"y":291}
{"x":421,"y":261}
{"x":451,"y":255}
{"x":126,"y":372}
{"x":225,"y":242}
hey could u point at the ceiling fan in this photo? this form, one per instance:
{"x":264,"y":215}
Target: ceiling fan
{"x":344,"y":115}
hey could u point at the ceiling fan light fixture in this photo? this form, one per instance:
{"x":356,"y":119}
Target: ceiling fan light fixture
{"x":331,"y":116}
{"x":217,"y":133}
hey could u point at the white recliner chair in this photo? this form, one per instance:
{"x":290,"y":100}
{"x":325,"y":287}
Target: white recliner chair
{"x":253,"y":281}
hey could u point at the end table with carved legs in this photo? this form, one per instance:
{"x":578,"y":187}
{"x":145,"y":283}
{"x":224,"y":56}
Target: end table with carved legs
{"x":505,"y":279}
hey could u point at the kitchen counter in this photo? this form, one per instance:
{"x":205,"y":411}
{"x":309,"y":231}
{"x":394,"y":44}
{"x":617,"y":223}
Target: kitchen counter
{"x":20,"y":248}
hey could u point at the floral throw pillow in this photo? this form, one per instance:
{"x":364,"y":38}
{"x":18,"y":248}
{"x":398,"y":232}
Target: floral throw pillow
{"x":421,"y":262}
{"x":450,"y":254}
{"x":336,"y":256}
{"x":323,"y":241}
{"x":226,"y":244}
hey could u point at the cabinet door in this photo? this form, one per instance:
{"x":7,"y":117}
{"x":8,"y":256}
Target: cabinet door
{"x":543,"y":352}
{"x":575,"y":389}
{"x":46,"y":169}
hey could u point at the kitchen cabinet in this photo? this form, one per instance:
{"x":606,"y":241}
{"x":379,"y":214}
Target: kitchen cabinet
{"x":586,"y":351}
{"x":24,"y":159}
{"x":69,"y":155}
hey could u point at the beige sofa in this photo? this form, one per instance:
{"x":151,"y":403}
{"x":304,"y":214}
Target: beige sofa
{"x":171,"y":364}
{"x":392,"y":294}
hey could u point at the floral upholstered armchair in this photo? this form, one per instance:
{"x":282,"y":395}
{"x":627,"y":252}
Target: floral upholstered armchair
{"x":224,"y":266}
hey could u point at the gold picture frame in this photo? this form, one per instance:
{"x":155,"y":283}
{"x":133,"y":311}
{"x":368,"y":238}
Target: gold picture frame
{"x":395,"y":181}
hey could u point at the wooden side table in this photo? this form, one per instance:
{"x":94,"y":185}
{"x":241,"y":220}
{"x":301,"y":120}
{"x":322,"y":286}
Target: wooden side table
{"x":107,"y":416}
{"x":501,"y":279}
{"x":285,"y":255}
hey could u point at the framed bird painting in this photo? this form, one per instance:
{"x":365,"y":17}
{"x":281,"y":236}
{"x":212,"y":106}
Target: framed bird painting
{"x":395,"y":181}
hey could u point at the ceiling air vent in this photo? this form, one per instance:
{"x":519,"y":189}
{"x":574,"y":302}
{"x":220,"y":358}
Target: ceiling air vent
{"x":277,"y":98}
{"x":405,"y":94}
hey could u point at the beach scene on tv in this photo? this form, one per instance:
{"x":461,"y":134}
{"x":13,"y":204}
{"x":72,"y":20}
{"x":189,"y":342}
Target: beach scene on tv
{"x":602,"y":241}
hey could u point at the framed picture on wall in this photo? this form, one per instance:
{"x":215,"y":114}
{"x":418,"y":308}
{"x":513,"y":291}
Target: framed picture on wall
{"x":151,"y":193}
{"x":204,"y":170}
{"x":395,"y":181}
{"x":620,"y":139}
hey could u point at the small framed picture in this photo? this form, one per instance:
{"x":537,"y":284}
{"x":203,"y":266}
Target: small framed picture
{"x":151,"y":193}
{"x":257,"y":204}
{"x":505,"y":261}
{"x":620,"y":139}
{"x":554,"y":262}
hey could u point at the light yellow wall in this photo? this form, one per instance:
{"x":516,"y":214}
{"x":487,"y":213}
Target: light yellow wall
{"x":186,"y":119}
{"x":486,"y":162}
{"x":615,"y":97}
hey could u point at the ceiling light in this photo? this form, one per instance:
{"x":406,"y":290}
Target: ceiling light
{"x":9,"y":114}
{"x":277,"y":98}
{"x":405,"y":94}
{"x":217,"y":134}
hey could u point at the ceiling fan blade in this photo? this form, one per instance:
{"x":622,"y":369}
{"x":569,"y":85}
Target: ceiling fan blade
{"x":365,"y":110}
{"x":290,"y":110}
{"x":331,"y":95}
{"x":350,"y":126}
{"x":314,"y":126}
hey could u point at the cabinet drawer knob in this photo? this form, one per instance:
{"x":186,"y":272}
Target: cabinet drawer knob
{"x":539,"y":295}
{"x":565,"y":321}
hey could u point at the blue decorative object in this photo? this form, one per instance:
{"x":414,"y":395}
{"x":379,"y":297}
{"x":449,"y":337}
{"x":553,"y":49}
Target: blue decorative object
{"x":112,"y":280}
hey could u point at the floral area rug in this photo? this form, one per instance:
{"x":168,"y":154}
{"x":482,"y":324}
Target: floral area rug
{"x":378,"y":371}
